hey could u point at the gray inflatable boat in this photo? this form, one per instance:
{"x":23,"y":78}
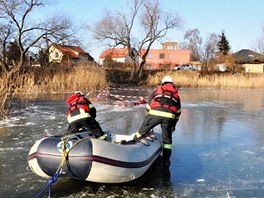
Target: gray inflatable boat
{"x":80,"y":156}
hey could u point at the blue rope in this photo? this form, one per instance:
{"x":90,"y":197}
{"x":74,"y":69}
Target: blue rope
{"x":49,"y":184}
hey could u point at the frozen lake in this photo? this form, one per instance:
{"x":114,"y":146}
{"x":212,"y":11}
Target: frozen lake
{"x":218,"y":147}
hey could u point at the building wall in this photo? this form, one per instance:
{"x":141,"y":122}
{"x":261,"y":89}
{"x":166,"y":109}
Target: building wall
{"x":120,"y":60}
{"x":160,"y":57}
{"x":54,"y":55}
{"x":254,"y":68}
{"x":170,"y":45}
{"x":166,"y":57}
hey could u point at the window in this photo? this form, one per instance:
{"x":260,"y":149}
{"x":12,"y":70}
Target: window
{"x":169,"y":56}
{"x":161,"y":56}
{"x":173,"y":47}
{"x":56,"y":54}
{"x":150,"y":55}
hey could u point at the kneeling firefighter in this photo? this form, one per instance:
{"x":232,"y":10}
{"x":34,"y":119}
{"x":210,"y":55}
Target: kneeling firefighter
{"x":81,"y":116}
{"x":164,"y":108}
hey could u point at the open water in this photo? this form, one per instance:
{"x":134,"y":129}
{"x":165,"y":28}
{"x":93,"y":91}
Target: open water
{"x":218,"y":148}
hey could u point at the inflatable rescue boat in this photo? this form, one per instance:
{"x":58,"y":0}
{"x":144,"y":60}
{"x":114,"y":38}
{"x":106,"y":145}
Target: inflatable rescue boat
{"x":80,"y":156}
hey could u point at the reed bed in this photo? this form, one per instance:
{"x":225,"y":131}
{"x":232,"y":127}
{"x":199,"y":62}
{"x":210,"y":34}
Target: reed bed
{"x":77,"y":78}
{"x":94,"y":78}
{"x":90,"y":78}
{"x":195,"y":79}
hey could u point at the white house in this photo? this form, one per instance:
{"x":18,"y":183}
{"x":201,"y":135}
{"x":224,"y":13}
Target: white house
{"x":116,"y":54}
{"x":68,"y":54}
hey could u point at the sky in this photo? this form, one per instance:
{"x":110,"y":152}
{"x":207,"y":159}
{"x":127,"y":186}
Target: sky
{"x":241,"y":20}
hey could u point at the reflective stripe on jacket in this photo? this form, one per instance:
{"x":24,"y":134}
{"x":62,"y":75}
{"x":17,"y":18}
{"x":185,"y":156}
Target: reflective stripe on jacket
{"x":162,"y":114}
{"x":82,"y":114}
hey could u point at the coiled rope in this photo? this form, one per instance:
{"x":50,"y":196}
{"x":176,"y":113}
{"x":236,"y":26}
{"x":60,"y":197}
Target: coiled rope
{"x":64,"y":157}
{"x":52,"y":180}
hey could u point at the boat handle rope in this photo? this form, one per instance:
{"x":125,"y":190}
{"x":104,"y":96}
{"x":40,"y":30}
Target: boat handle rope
{"x":64,"y":156}
{"x":148,"y":139}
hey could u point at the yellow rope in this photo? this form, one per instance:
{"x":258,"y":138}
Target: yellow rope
{"x":65,"y":153}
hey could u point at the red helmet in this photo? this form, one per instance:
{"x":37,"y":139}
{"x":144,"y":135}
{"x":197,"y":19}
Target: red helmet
{"x":74,"y":97}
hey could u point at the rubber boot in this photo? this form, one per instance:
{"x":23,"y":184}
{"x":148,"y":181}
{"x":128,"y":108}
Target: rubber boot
{"x":166,"y":164}
{"x":166,"y":157}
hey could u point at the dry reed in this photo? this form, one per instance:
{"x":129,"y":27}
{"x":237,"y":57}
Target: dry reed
{"x":90,"y":78}
{"x":217,"y":80}
{"x":78,"y":78}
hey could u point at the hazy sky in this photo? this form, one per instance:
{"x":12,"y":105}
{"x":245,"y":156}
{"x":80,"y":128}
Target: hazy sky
{"x":241,"y":20}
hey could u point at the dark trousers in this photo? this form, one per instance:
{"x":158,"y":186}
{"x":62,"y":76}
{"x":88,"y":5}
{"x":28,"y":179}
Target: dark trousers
{"x":167,"y":124}
{"x":86,"y":124}
{"x":167,"y":127}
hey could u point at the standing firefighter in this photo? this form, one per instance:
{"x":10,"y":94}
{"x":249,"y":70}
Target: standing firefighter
{"x":164,"y":108}
{"x":81,"y":116}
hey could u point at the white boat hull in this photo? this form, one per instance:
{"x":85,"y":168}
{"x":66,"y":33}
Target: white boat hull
{"x":95,"y":160}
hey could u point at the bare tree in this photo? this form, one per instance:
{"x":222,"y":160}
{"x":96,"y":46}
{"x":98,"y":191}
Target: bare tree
{"x":209,"y":49}
{"x":27,"y":33}
{"x":5,"y":34}
{"x":18,"y":26}
{"x":210,"y":46}
{"x":137,"y":29}
{"x":259,"y":46}
{"x":193,"y":41}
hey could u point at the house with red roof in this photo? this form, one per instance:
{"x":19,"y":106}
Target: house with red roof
{"x":68,"y":54}
{"x":167,"y":57}
{"x":116,"y":54}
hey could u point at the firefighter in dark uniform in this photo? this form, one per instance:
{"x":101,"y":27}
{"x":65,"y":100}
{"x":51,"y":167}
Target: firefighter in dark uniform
{"x":164,"y":108}
{"x":81,"y":116}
